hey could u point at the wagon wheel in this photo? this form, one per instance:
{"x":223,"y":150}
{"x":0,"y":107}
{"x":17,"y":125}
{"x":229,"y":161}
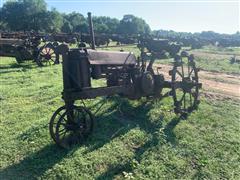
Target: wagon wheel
{"x":185,"y":88}
{"x":53,"y":121}
{"x":73,"y":126}
{"x":47,"y":55}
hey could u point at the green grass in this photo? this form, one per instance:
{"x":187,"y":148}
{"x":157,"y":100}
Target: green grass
{"x":217,"y":65}
{"x":217,"y":59}
{"x":131,"y":139}
{"x":220,"y":50}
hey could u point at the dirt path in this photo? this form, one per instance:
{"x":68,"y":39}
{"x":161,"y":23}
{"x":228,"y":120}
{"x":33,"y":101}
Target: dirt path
{"x":221,"y":83}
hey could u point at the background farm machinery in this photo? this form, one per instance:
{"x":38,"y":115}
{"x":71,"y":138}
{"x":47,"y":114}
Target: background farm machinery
{"x":22,"y":48}
{"x":125,"y":75}
{"x":42,"y":48}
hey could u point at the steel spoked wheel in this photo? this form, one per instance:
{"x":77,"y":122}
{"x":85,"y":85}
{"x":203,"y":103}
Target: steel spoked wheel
{"x":185,"y":89}
{"x":53,"y":121}
{"x":73,"y":127}
{"x":47,"y":56}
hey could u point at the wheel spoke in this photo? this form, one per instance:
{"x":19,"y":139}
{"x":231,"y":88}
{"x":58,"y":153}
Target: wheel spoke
{"x":64,"y":134}
{"x":190,"y":99}
{"x":182,"y":71}
{"x":62,"y":130}
{"x":190,"y":73}
{"x":184,"y":101}
{"x":64,"y":124}
{"x":59,"y":113}
{"x":179,"y":73}
{"x":49,"y":49}
{"x":182,"y":98}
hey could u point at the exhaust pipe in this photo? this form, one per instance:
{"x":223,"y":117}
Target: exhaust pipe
{"x":91,"y":31}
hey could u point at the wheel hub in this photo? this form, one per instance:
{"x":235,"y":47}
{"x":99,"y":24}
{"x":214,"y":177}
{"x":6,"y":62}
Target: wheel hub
{"x":74,"y":126}
{"x":187,"y":85}
{"x":48,"y":56}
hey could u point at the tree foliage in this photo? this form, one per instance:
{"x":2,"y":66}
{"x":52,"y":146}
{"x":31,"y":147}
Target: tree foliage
{"x":33,"y":15}
{"x":131,"y":24}
{"x":74,"y":22}
{"x":24,"y":14}
{"x":103,"y":24}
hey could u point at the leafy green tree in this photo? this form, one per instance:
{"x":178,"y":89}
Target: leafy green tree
{"x":53,"y":22}
{"x":77,"y":21}
{"x":82,"y":28}
{"x":131,"y":24}
{"x":103,"y":24}
{"x":67,"y":27}
{"x":23,"y":14}
{"x":101,"y":28}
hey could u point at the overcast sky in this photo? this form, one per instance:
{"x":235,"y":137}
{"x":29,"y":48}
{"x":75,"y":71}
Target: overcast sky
{"x":221,"y":16}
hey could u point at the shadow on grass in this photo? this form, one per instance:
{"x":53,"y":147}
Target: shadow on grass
{"x":35,"y":164}
{"x":140,"y":118}
{"x":15,"y":67}
{"x":113,"y":122}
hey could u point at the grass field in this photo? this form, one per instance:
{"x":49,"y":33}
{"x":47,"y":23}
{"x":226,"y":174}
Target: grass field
{"x":217,"y":59}
{"x":131,"y":139}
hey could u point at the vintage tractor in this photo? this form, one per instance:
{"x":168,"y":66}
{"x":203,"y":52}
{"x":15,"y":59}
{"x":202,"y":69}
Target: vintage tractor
{"x":21,"y":49}
{"x":42,"y":48}
{"x":126,"y":76}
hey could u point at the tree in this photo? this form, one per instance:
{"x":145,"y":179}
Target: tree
{"x":131,"y":24}
{"x":82,"y":28}
{"x":23,"y":14}
{"x":53,"y":22}
{"x":77,"y":21}
{"x":67,"y":27}
{"x":103,"y":24}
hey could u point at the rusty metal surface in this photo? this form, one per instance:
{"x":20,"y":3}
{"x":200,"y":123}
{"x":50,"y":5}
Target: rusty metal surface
{"x":9,"y":41}
{"x":97,"y":57}
{"x":90,"y":93}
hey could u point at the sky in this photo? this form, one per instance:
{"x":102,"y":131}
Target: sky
{"x":221,"y":16}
